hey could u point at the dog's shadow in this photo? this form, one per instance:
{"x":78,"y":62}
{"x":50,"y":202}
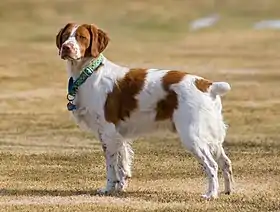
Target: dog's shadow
{"x":61,"y":193}
{"x":45,"y":192}
{"x":64,"y":193}
{"x":142,"y":194}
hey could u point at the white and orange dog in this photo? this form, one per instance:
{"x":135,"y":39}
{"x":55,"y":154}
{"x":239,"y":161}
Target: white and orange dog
{"x":118,"y":103}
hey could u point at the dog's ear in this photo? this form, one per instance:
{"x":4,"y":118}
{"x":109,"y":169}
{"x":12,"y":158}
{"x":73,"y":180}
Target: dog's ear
{"x":98,"y":41}
{"x":60,"y":34}
{"x":103,"y":40}
{"x":59,"y":39}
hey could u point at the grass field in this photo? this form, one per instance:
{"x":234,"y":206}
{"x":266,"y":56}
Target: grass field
{"x":48,"y":164}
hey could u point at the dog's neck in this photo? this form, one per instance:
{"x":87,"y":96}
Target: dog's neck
{"x":74,"y":67}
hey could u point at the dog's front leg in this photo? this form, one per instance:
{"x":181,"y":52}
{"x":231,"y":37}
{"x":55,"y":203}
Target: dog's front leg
{"x":111,"y":158}
{"x":118,"y":154}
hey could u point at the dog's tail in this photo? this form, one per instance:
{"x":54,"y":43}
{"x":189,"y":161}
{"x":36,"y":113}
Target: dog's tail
{"x":219,"y":88}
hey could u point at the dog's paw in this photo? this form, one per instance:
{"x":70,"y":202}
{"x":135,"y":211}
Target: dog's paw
{"x":121,"y":187}
{"x":210,"y":195}
{"x":227,"y":192}
{"x":104,"y":191}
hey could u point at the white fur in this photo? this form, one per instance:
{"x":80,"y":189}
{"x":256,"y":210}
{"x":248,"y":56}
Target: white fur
{"x":219,"y":88}
{"x":198,"y":121}
{"x":73,"y":43}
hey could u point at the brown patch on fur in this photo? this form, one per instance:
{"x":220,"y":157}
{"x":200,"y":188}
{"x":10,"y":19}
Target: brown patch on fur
{"x":165,"y":107}
{"x":84,"y":39}
{"x":203,"y":84}
{"x":121,"y":101}
{"x":98,"y":40}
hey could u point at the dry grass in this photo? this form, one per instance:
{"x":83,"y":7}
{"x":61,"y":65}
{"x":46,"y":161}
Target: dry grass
{"x":48,"y":164}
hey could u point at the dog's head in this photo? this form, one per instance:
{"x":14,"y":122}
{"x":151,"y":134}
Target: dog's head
{"x":78,"y":41}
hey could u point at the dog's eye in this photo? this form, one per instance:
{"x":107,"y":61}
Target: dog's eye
{"x":65,"y":36}
{"x":82,"y":37}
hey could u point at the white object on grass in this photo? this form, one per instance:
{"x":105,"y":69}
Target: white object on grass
{"x":204,"y":22}
{"x":267,"y":24}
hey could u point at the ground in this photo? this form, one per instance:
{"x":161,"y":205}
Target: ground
{"x":48,"y":164}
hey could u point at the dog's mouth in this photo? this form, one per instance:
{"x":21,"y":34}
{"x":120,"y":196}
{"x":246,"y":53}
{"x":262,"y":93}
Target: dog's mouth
{"x":69,"y":57}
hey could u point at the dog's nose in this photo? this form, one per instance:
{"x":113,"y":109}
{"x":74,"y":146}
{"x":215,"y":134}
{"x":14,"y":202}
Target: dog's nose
{"x":66,"y":48}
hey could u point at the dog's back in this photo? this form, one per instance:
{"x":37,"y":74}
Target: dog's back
{"x":150,"y":100}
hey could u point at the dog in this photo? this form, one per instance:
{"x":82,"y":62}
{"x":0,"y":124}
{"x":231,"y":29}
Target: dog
{"x":118,"y":103}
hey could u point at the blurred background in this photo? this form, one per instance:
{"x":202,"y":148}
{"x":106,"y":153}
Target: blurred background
{"x":42,"y":150}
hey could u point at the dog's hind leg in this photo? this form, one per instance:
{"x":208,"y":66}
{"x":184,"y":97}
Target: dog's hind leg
{"x":202,"y":153}
{"x":126,"y":157}
{"x":210,"y":166}
{"x":225,"y":164}
{"x":124,"y":164}
{"x":194,"y":139}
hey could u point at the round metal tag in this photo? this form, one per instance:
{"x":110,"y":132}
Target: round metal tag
{"x":70,"y":97}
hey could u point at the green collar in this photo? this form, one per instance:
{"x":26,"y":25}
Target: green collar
{"x":73,"y":86}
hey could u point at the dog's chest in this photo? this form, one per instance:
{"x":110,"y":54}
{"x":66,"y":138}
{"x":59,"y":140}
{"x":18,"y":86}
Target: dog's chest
{"x":89,"y":108}
{"x":86,"y":120}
